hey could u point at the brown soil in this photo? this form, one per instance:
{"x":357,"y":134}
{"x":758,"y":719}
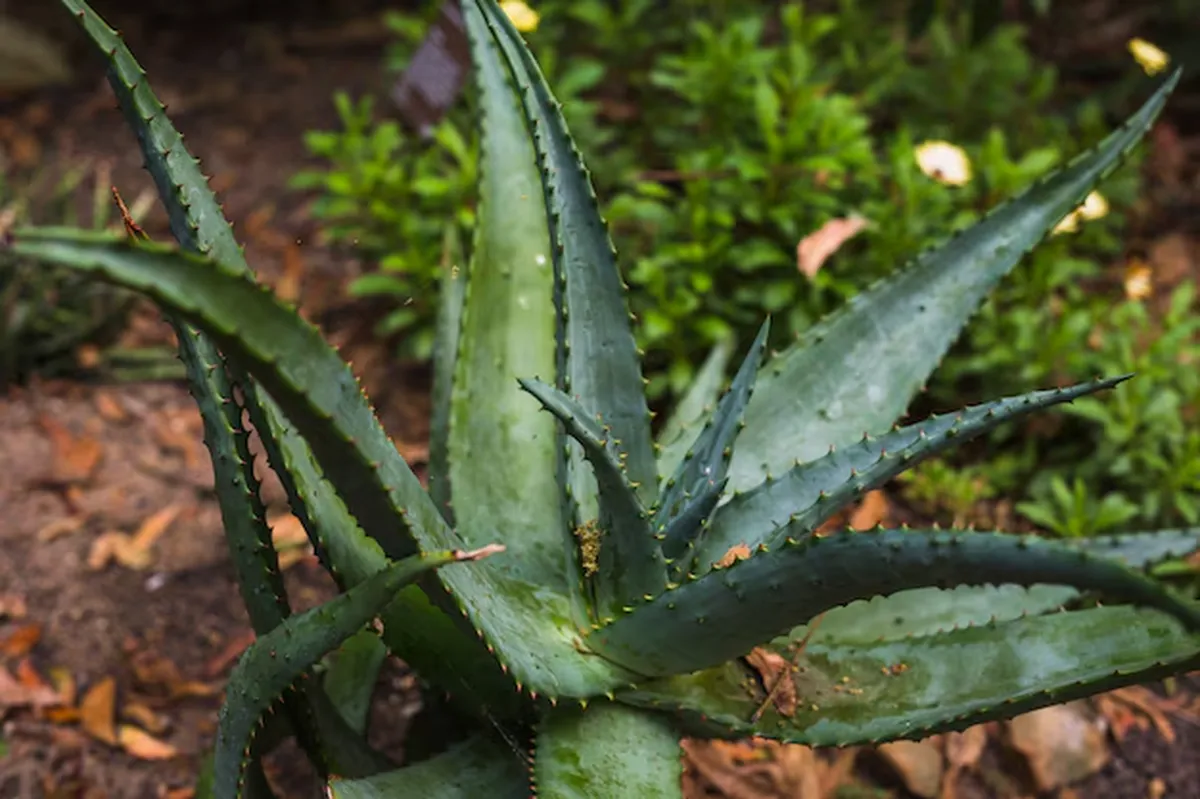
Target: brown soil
{"x":243,"y":95}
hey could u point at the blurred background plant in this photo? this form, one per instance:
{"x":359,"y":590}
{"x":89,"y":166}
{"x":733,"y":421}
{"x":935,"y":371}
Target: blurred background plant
{"x":53,"y":322}
{"x":777,"y":158}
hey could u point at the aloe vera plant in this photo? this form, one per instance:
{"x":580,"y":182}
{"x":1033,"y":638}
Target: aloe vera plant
{"x":638,"y":590}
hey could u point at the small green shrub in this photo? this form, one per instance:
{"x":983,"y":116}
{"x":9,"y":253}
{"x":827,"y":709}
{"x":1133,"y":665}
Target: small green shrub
{"x":727,"y":141}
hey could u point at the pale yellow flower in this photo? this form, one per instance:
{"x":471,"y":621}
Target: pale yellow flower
{"x":944,"y":162}
{"x":523,"y":17}
{"x":1151,"y":58}
{"x":1139,"y":281}
{"x":1094,"y":207}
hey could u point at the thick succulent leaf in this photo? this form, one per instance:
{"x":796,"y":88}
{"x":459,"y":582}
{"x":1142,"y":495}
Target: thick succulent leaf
{"x":445,"y":356}
{"x":707,"y":460}
{"x":1143,"y":549}
{"x":194,"y":214}
{"x":351,"y":675}
{"x":629,"y":563}
{"x":608,"y":751}
{"x":687,"y":419}
{"x":315,"y":388}
{"x":680,"y":537}
{"x":477,"y":767}
{"x":603,"y":369}
{"x":505,"y":453}
{"x":414,"y":628}
{"x":809,"y":493}
{"x":728,"y":611}
{"x":911,"y":688}
{"x":531,"y":623}
{"x":277,"y":660}
{"x":857,"y":371}
{"x":926,"y":611}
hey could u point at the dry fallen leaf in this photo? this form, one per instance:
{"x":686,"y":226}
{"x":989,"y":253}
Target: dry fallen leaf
{"x":1060,"y":743}
{"x":132,"y":551}
{"x":815,"y":248}
{"x":144,"y":717}
{"x":75,"y":457}
{"x":13,"y":693}
{"x":143,"y":745}
{"x":97,"y":711}
{"x":290,"y":540}
{"x":228,"y":654}
{"x":58,"y":527}
{"x":918,"y":763}
{"x":776,"y":674}
{"x":871,"y":512}
{"x":963,"y":751}
{"x":21,"y":640}
{"x":799,"y":773}
{"x":108,"y":407}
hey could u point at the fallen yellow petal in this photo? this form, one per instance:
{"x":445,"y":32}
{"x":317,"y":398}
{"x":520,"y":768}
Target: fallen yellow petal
{"x":944,"y":162}
{"x":1150,"y":57}
{"x":523,"y":17}
{"x":143,"y":745}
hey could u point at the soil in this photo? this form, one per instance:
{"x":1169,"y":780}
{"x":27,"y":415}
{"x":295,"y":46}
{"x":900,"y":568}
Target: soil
{"x":80,"y":461}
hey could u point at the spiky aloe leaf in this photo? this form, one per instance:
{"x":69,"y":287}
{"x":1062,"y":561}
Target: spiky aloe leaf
{"x":473,"y":768}
{"x":350,"y":677}
{"x":857,"y":371}
{"x":628,"y":564}
{"x":809,"y":493}
{"x":278,"y":659}
{"x":728,"y":611}
{"x":445,"y":356}
{"x":530,"y":623}
{"x":926,"y":611}
{"x":414,"y":628}
{"x":586,"y":754}
{"x":288,"y":356}
{"x":912,"y":688}
{"x":1143,"y":549}
{"x":687,"y":419}
{"x":707,"y":460}
{"x":602,"y":365}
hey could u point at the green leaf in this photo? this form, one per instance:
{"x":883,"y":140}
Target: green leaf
{"x":415,"y":629}
{"x":607,"y":751}
{"x":728,"y":611}
{"x":1143,"y":549}
{"x":925,"y":611}
{"x":912,"y":688}
{"x":194,"y":214}
{"x":603,"y":369}
{"x":705,"y":464}
{"x":350,"y":679}
{"x":473,"y":768}
{"x":630,"y":564}
{"x":315,"y":388}
{"x":697,"y":403}
{"x":505,"y":454}
{"x":199,"y":225}
{"x":809,"y":493}
{"x":857,"y":371}
{"x":278,"y":659}
{"x":445,"y":357}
